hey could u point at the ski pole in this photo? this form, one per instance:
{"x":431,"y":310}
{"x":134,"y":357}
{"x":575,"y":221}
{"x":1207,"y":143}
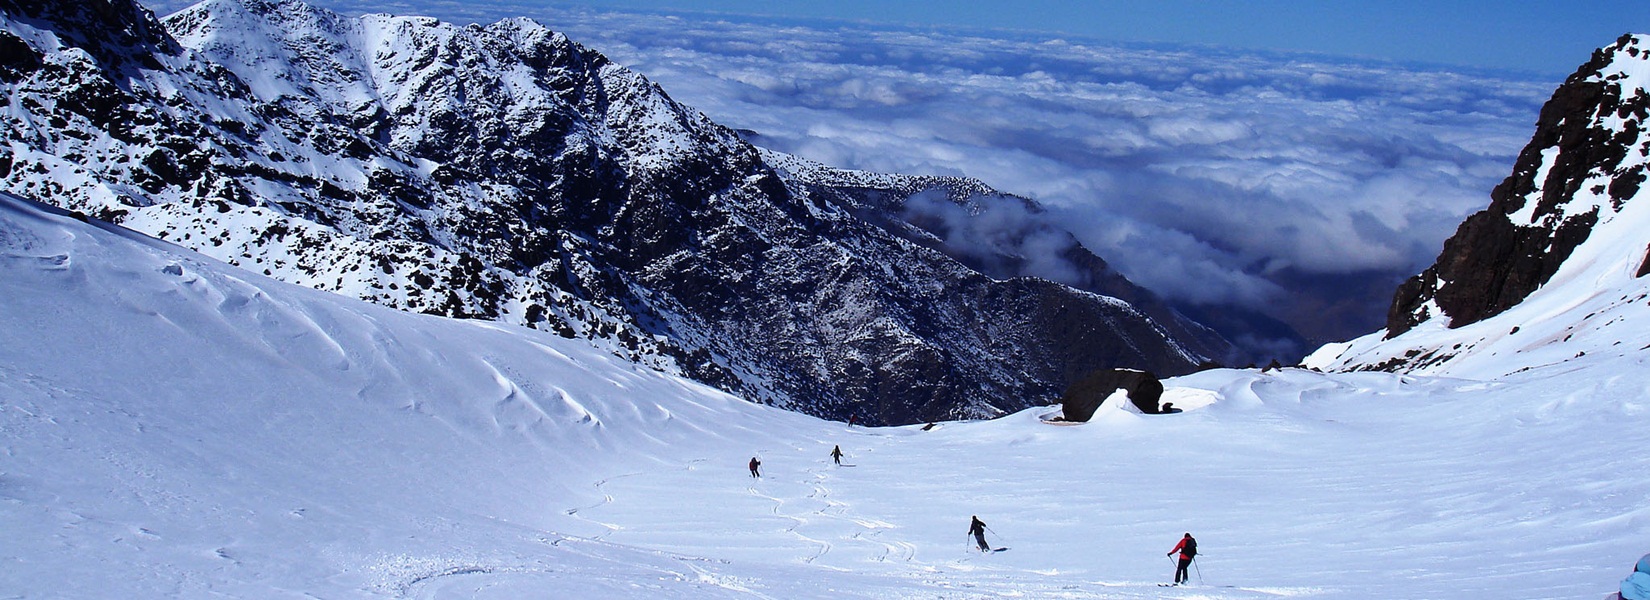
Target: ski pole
{"x":999,"y":535}
{"x":1199,"y":570}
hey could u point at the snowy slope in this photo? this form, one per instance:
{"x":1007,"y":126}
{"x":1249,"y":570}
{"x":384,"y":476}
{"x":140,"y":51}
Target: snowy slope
{"x":175,"y":427}
{"x":1555,"y":269}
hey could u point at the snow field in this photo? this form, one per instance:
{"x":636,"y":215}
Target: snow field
{"x":173,"y":427}
{"x":1313,"y":490}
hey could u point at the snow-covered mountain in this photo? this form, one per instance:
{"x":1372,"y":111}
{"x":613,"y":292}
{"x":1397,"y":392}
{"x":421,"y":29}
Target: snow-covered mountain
{"x":174,"y":427}
{"x":504,"y":172}
{"x":1555,"y":268}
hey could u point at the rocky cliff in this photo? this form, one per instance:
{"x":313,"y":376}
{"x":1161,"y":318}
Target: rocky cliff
{"x":1585,"y":160}
{"x":1556,"y":264}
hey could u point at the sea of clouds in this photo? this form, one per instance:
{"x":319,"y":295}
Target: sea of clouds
{"x":1301,"y":186}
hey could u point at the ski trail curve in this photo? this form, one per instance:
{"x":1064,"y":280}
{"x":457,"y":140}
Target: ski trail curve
{"x":869,"y":530}
{"x":797,"y":523}
{"x":606,"y":500}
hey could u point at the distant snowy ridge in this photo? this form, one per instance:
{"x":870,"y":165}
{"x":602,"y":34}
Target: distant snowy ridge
{"x":1556,"y":266}
{"x":504,"y":172}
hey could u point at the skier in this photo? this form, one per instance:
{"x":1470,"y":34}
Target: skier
{"x":1637,"y":585}
{"x":1188,"y":550}
{"x":754,"y":465}
{"x":977,"y":529}
{"x":836,"y":454}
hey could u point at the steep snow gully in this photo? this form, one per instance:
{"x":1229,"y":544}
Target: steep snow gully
{"x":175,"y":427}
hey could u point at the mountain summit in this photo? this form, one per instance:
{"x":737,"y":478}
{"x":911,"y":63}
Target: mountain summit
{"x":505,"y":172}
{"x":1560,"y":253}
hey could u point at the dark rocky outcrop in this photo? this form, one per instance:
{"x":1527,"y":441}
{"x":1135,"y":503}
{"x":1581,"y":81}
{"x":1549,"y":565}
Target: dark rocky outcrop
{"x":1572,"y":169}
{"x":1084,"y":397}
{"x":117,"y":33}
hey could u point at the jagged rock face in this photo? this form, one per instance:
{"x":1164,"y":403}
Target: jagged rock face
{"x":117,"y":34}
{"x":1587,"y":157}
{"x":504,"y":172}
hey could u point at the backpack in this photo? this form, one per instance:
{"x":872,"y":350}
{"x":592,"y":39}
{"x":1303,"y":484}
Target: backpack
{"x":1190,"y":549}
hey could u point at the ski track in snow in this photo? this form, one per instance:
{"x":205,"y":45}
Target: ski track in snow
{"x":815,"y":510}
{"x":607,"y":499}
{"x":798,"y":522}
{"x":814,"y":517}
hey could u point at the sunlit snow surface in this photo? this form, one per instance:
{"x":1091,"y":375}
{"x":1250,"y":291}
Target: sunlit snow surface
{"x":173,"y":427}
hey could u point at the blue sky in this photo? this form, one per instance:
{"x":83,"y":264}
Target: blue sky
{"x":1539,"y":37}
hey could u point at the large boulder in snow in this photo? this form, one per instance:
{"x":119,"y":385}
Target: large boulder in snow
{"x":1084,"y":397}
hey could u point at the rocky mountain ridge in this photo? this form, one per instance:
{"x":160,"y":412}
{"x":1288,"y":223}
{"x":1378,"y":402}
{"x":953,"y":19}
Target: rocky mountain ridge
{"x":504,"y":172}
{"x":1561,"y":245}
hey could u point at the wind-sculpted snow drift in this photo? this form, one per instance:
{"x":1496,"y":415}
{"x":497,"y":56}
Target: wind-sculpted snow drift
{"x":504,"y":172}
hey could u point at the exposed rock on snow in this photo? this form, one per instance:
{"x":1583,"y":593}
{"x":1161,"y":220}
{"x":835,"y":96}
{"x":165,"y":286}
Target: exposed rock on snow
{"x":1142,"y":389}
{"x":1585,"y":162}
{"x":1557,"y":255}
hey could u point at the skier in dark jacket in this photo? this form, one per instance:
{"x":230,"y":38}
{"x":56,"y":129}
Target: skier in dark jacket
{"x":977,"y":529}
{"x":1188,"y":550}
{"x":755,"y":464}
{"x":836,"y":454}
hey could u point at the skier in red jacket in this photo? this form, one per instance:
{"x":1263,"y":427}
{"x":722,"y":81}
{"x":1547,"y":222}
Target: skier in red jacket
{"x":1188,"y":550}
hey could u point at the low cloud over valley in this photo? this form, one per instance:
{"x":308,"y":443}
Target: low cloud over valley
{"x":1303,"y":187}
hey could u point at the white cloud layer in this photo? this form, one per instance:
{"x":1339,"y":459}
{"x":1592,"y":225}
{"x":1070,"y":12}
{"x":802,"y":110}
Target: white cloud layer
{"x":1200,"y":173}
